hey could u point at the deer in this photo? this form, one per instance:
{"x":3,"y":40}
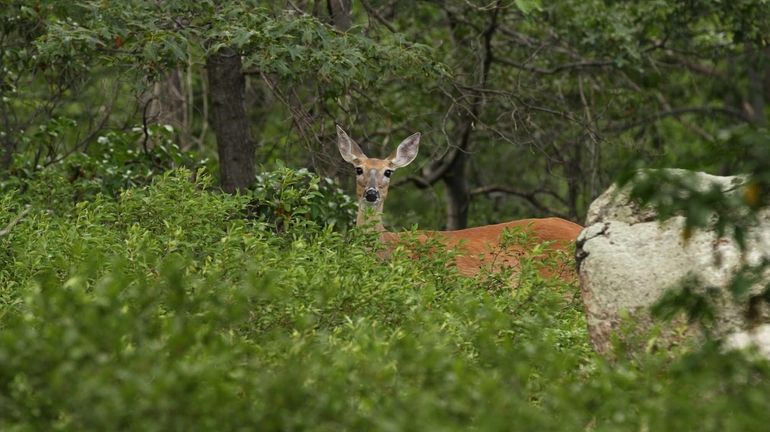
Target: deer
{"x":477,"y":248}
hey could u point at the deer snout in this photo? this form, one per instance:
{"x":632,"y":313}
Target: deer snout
{"x":371,"y":195}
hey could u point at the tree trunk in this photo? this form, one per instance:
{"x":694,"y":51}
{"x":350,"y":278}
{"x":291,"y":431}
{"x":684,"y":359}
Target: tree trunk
{"x":340,"y":13}
{"x":574,"y":178}
{"x":6,"y":137}
{"x":756,"y":91}
{"x":235,"y":146}
{"x":172,"y":105}
{"x":458,"y":197}
{"x":167,"y":104}
{"x":6,"y":155}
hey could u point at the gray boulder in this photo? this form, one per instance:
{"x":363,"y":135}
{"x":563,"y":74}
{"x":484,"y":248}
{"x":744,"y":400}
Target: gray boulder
{"x":627,"y":260}
{"x":757,"y":339}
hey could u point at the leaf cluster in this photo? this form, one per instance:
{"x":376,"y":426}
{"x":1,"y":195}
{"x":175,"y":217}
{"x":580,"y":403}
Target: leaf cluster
{"x":157,"y":36}
{"x":118,"y":160}
{"x":285,"y":196}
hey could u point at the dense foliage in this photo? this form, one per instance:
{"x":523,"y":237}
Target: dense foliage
{"x":135,"y":294}
{"x":289,"y":196}
{"x":170,"y":308}
{"x":526,"y":107}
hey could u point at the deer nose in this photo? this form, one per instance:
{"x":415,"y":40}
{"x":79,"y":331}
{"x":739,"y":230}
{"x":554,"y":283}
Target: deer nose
{"x":371,"y":195}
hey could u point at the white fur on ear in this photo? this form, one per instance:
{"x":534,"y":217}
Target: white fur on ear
{"x":406,"y":151}
{"x":349,"y":150}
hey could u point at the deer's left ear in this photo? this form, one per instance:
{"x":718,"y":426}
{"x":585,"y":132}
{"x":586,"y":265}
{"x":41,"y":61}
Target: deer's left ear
{"x":406,"y":151}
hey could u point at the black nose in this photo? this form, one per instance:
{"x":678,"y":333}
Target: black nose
{"x":371,"y":195}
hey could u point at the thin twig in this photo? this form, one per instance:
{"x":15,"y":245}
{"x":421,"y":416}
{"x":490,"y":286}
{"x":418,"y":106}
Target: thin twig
{"x":530,"y":197}
{"x":204,"y":110}
{"x":15,"y":221}
{"x":84,"y":143}
{"x":555,"y":69}
{"x":704,"y":110}
{"x":144,"y":125}
{"x":377,"y":16}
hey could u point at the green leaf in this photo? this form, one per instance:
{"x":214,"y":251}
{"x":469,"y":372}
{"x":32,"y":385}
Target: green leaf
{"x":529,"y":6}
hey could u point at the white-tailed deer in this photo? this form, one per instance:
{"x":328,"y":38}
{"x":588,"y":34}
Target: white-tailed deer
{"x":478,"y":247}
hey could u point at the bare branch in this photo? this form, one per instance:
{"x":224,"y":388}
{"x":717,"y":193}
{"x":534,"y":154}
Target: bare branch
{"x":553,"y":44}
{"x":300,"y":116}
{"x":419,"y":181}
{"x":7,"y":230}
{"x":588,"y":64}
{"x":530,"y":197}
{"x":576,"y":65}
{"x":453,"y":158}
{"x":711,"y":111}
{"x":693,"y":66}
{"x":145,"y":131}
{"x":373,"y":12}
{"x":82,"y":145}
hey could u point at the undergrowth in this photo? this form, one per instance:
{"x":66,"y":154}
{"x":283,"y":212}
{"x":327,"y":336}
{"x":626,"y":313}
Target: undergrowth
{"x":171,"y":308}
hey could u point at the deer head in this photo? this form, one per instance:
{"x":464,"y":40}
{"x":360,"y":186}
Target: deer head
{"x":373,"y":175}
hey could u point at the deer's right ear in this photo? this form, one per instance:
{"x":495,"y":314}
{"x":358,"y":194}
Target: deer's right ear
{"x":406,"y":151}
{"x":349,"y":150}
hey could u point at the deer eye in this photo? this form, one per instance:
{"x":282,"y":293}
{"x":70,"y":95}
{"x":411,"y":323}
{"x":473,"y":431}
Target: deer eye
{"x":359,"y":170}
{"x":388,"y":173}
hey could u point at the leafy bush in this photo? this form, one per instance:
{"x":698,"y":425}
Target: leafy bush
{"x":107,"y":168}
{"x":285,"y":196}
{"x":280,"y":197}
{"x":167,"y":310}
{"x":118,"y":164}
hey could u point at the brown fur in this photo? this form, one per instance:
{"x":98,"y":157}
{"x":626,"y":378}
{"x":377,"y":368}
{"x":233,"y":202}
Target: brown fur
{"x":479,"y":248}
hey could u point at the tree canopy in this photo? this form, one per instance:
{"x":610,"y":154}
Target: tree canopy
{"x":526,"y":108}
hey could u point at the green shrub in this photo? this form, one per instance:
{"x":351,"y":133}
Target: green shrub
{"x":281,"y":197}
{"x":285,"y":196}
{"x":107,"y":167}
{"x":167,"y":309}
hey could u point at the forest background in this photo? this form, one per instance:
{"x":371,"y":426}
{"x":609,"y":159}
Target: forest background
{"x":526,"y":109}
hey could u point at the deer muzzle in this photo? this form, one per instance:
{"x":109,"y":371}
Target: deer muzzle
{"x":371,"y":195}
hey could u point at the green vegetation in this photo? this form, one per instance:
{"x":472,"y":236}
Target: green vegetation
{"x":135,"y":294}
{"x":527,"y":108}
{"x":171,"y":308}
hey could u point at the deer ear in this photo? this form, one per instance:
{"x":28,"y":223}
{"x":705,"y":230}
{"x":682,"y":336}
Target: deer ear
{"x":406,"y":151}
{"x":349,"y":150}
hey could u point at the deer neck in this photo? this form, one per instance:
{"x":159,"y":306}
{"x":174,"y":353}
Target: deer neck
{"x":370,"y":215}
